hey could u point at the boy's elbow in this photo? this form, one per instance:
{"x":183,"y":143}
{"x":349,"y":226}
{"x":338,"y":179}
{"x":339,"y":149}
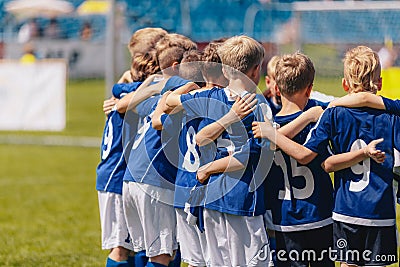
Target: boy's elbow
{"x":327,"y":167}
{"x":201,"y":140}
{"x":170,"y":101}
{"x":156,"y":124}
{"x":305,"y":158}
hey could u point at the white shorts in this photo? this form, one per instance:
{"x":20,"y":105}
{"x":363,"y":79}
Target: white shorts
{"x":236,"y":240}
{"x":192,"y":242}
{"x":151,"y":222}
{"x":114,"y":232}
{"x":268,"y":220}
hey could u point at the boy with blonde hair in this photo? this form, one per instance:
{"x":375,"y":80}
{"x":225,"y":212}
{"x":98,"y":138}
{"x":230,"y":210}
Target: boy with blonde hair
{"x":364,"y":212}
{"x":233,"y":214}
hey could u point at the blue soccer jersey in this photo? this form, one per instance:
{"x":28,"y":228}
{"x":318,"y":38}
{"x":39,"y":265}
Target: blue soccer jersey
{"x":189,"y":160}
{"x":112,"y":167}
{"x":153,"y":158}
{"x":234,"y":192}
{"x":392,"y":106}
{"x":300,"y":196}
{"x":363,"y":193}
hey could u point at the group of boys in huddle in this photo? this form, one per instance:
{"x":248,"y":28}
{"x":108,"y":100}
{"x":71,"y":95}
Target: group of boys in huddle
{"x":195,"y":160}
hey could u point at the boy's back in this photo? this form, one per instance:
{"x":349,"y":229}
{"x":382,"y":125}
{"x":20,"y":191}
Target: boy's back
{"x":300,"y":195}
{"x":364,"y":193}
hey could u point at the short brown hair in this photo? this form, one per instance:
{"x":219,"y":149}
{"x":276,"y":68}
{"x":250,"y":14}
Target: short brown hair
{"x":362,"y":69}
{"x":171,"y":48}
{"x":241,"y":53}
{"x":212,"y":68}
{"x":293,"y":73}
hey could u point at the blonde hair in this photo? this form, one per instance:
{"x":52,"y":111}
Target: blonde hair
{"x":144,"y":39}
{"x":294,"y":72}
{"x":241,"y":53}
{"x":271,"y":66}
{"x":362,"y":69}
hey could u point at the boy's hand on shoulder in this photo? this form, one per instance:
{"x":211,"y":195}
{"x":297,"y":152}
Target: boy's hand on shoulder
{"x":376,"y":154}
{"x":263,"y":129}
{"x":243,"y":106}
{"x":162,"y":105}
{"x":109,"y":104}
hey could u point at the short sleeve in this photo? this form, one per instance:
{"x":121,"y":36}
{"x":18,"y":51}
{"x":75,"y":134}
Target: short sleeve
{"x":392,"y":106}
{"x":318,"y":139}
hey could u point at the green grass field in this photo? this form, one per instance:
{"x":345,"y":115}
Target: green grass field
{"x":49,"y":214}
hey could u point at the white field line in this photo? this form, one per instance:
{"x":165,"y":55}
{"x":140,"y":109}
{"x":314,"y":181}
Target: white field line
{"x":51,"y":140}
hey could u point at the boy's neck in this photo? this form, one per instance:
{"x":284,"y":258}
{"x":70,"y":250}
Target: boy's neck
{"x":238,"y":86}
{"x":292,"y":104}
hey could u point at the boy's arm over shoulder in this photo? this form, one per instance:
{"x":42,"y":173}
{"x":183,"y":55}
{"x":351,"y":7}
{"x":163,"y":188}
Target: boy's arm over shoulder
{"x":174,"y":101}
{"x":226,"y":164}
{"x":242,"y":107}
{"x":144,"y":91}
{"x":392,"y":106}
{"x":365,"y":99}
{"x":294,"y":127}
{"x":348,"y":159}
{"x":300,"y":153}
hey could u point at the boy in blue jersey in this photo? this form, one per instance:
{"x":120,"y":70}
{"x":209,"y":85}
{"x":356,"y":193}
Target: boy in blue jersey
{"x":192,"y":240}
{"x":149,"y":181}
{"x":300,"y":196}
{"x":229,"y":204}
{"x":111,"y":169}
{"x":364,"y":212}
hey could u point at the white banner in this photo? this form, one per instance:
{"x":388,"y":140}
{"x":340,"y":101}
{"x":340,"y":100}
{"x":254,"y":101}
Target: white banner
{"x":32,"y":96}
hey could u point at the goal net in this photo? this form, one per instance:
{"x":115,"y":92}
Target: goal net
{"x":324,"y":30}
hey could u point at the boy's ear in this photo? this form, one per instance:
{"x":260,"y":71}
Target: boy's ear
{"x":277,"y":92}
{"x":175,"y":66}
{"x":345,"y":85}
{"x":308,"y":90}
{"x":267,"y":80}
{"x":379,"y":83}
{"x":256,"y":70}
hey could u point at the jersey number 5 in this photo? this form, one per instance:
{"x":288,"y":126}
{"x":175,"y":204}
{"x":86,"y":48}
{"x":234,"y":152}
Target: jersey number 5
{"x":303,"y":171}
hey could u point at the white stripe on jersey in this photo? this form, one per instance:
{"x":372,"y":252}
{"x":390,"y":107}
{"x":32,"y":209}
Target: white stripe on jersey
{"x":363,"y":221}
{"x":396,"y":168}
{"x":302,"y":227}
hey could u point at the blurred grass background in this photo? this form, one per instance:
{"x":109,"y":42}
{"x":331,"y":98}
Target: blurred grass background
{"x":49,"y":214}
